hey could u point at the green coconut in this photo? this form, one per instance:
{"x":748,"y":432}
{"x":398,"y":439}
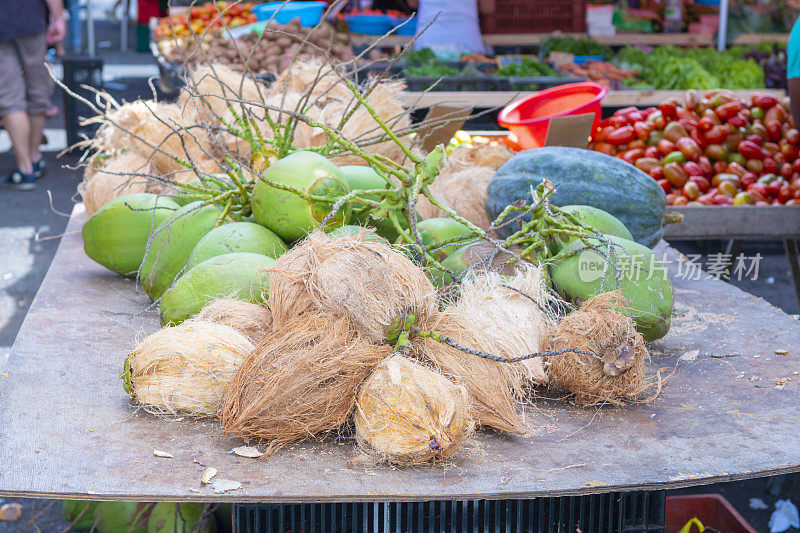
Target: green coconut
{"x":236,"y":237}
{"x":164,"y":519}
{"x":288,"y":214}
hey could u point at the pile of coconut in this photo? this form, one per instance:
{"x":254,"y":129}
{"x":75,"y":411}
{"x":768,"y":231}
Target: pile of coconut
{"x":151,"y":146}
{"x":353,"y":342}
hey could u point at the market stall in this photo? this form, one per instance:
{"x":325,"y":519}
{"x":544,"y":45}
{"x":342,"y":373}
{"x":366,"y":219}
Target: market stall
{"x":728,"y":412}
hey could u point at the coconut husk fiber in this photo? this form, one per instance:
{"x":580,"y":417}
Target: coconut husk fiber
{"x":464,"y":191}
{"x":599,"y":327}
{"x":158,"y":132}
{"x":481,"y":155}
{"x":515,"y":312}
{"x":408,"y":414}
{"x":494,"y":387}
{"x":116,"y":177}
{"x":184,"y":369}
{"x":301,"y":381}
{"x":213,"y":87}
{"x":367,"y":281}
{"x":315,"y":78}
{"x":251,"y":320}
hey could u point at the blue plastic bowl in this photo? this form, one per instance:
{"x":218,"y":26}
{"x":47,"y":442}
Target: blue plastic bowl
{"x":408,"y":29}
{"x":310,"y":13}
{"x":369,"y":24}
{"x":580,"y":60}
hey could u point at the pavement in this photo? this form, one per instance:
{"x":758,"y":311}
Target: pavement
{"x":32,"y":222}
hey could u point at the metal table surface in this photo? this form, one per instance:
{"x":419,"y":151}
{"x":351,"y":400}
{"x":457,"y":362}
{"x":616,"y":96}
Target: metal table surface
{"x":68,"y":429}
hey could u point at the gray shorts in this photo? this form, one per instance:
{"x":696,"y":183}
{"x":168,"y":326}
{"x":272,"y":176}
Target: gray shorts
{"x":25,"y":84}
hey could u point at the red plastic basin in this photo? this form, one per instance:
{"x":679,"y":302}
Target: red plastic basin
{"x":713,"y":510}
{"x":529,"y":118}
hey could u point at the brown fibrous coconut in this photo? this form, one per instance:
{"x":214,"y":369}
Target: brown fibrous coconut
{"x":301,"y":381}
{"x":254,"y":321}
{"x":368,"y":281}
{"x":184,"y":370}
{"x":160,"y":133}
{"x":482,"y":155}
{"x":408,"y":414}
{"x":212,"y":88}
{"x":125,"y":173}
{"x":515,"y":311}
{"x":494,"y":387}
{"x":615,"y":372}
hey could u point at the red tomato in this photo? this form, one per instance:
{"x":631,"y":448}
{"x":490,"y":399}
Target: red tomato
{"x":702,"y":183}
{"x":728,"y":188}
{"x":698,"y":138}
{"x":755,"y":139}
{"x":625,"y":110}
{"x":737,"y":121}
{"x":652,"y":151}
{"x":636,"y":143}
{"x":758,"y":191}
{"x":770,"y":166}
{"x":635,"y":116}
{"x":774,"y":130}
{"x":605,"y":148}
{"x":796,"y":165}
{"x":657,"y":173}
{"x":785,"y":193}
{"x":705,"y":124}
{"x":774,"y":187}
{"x":622,"y":135}
{"x":751,"y":150}
{"x":719,"y":167}
{"x":764,"y":101}
{"x":646,"y":163}
{"x":680,"y":200}
{"x":722,"y":199}
{"x":716,"y":151}
{"x":666,"y":185}
{"x":689,"y":148}
{"x":793,"y":136}
{"x":779,"y":159}
{"x":737,"y":169}
{"x":642,"y":130}
{"x":748,"y":179}
{"x":705,"y":165}
{"x":692,"y":168}
{"x":690,"y":99}
{"x":716,"y":134}
{"x":665,"y":146}
{"x":691,"y":191}
{"x":675,"y":131}
{"x":755,"y":165}
{"x":669,"y":109}
{"x":675,"y":174}
{"x":786,"y":171}
{"x":726,"y":111}
{"x":789,"y":150}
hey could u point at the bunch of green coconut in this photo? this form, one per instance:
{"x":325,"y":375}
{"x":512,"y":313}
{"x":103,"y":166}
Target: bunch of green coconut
{"x":129,"y":517}
{"x":362,"y":287}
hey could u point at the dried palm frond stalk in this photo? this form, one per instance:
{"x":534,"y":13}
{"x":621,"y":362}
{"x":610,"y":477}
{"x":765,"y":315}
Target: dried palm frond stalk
{"x":254,"y":321}
{"x":408,"y":414}
{"x":616,"y":372}
{"x":368,"y":281}
{"x":301,"y":381}
{"x":213,"y":88}
{"x":184,"y":369}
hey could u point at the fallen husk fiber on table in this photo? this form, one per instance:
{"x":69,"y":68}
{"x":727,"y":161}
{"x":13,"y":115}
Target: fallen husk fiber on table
{"x":599,"y":327}
{"x":116,"y":177}
{"x":367,"y":281}
{"x":301,"y":381}
{"x":254,"y":321}
{"x":183,"y":370}
{"x":408,"y":414}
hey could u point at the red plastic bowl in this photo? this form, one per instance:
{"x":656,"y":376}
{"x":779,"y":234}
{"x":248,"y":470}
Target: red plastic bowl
{"x":529,"y":118}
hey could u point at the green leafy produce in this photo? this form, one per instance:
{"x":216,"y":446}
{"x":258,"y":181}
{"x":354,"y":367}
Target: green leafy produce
{"x":420,"y":56}
{"x":578,"y":47}
{"x":430,"y":69}
{"x":670,"y":67}
{"x":527,"y":68}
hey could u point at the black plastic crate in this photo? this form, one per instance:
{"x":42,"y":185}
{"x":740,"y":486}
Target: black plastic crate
{"x":635,"y":512}
{"x":452,"y":83}
{"x":79,"y":71}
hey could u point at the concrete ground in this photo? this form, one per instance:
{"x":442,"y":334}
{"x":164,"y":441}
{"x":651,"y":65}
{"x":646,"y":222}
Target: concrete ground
{"x":31,"y":223}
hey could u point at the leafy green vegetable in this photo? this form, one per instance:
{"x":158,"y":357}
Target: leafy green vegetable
{"x":430,"y":69}
{"x":578,"y":47}
{"x":526,"y":68}
{"x":420,"y":56}
{"x":669,"y":67}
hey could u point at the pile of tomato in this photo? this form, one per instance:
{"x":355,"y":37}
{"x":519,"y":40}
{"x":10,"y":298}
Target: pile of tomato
{"x":712,"y":148}
{"x":210,"y":15}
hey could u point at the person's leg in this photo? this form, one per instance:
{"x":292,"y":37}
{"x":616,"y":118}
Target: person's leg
{"x":35,"y":136}
{"x":18,"y":127}
{"x":13,"y":107}
{"x":39,"y":87}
